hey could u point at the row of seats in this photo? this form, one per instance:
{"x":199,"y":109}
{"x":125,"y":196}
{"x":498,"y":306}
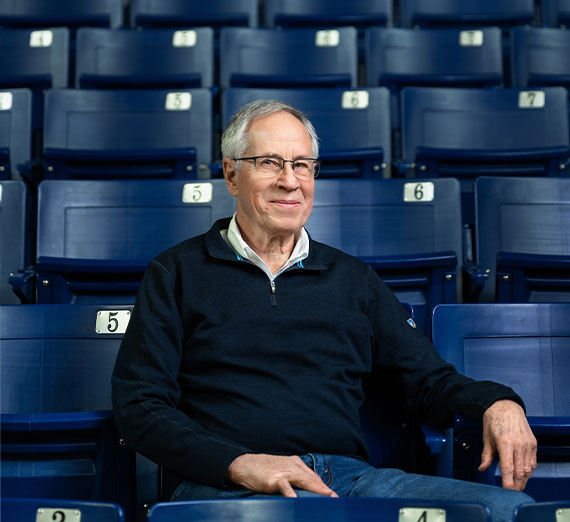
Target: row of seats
{"x":95,"y":238}
{"x":59,"y":440}
{"x":282,"y":13}
{"x":445,"y":131}
{"x":279,"y":510}
{"x":306,"y":57}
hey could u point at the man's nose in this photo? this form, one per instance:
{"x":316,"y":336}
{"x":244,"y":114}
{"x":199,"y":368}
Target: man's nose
{"x":287,"y":175}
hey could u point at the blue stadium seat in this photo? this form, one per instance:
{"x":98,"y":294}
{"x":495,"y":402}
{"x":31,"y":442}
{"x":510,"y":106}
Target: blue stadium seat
{"x":396,"y":58}
{"x":323,"y":13}
{"x":409,"y":232}
{"x":157,"y":58}
{"x":555,"y":13}
{"x":525,"y":346}
{"x":311,"y":509}
{"x":37,"y":60}
{"x":468,"y":133}
{"x":466,"y":13}
{"x":15,"y":131}
{"x":69,"y":13}
{"x":522,"y":235}
{"x":193,"y":13}
{"x":95,"y":238}
{"x":127,"y":134}
{"x":21,"y":509}
{"x":13,"y":251}
{"x":455,"y":57}
{"x":34,"y":58}
{"x":540,"y":57}
{"x":254,"y":57}
{"x":543,"y":512}
{"x":58,"y":434}
{"x":353,"y":125}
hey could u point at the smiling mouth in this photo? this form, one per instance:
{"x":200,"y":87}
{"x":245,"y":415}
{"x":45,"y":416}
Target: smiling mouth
{"x":286,"y":203}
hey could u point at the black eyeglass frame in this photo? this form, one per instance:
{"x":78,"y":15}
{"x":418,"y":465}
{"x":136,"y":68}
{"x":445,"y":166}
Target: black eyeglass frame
{"x":316,"y":162}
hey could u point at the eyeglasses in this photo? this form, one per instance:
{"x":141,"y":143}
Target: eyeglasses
{"x":303,"y":168}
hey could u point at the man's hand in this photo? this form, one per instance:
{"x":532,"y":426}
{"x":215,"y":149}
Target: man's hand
{"x":273,"y":474}
{"x":506,"y":431}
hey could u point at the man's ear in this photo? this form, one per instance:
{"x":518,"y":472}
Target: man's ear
{"x":228,"y":166}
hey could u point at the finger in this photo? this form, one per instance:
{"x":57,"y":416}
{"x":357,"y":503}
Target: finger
{"x":314,"y":484}
{"x":506,"y":460}
{"x":529,"y":461}
{"x":285,"y":488}
{"x":487,"y":456}
{"x":519,"y":474}
{"x":309,"y":480}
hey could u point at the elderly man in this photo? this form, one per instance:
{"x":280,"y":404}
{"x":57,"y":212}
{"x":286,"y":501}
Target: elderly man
{"x":241,"y":369}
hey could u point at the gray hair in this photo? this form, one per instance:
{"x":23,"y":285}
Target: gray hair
{"x":234,"y":138}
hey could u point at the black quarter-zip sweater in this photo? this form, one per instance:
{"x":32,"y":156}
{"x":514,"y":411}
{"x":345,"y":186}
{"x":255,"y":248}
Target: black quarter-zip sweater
{"x":217,"y":362}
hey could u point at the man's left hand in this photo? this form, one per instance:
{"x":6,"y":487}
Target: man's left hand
{"x":506,"y":432}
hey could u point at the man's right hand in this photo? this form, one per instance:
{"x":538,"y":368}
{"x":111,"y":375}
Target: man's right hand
{"x":274,"y":474}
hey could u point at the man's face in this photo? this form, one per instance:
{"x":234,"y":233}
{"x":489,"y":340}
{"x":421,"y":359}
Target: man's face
{"x":272,"y":206}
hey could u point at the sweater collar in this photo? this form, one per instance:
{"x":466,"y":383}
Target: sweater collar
{"x":219,"y":249}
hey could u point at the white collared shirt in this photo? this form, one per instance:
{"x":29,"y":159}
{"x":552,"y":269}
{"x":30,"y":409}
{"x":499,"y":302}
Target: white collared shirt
{"x":232,"y":236}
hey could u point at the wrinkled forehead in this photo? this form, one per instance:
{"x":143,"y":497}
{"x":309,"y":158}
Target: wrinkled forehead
{"x":279,"y":130}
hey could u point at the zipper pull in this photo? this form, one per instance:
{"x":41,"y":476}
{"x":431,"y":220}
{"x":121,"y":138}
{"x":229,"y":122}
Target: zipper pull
{"x":272,"y":288}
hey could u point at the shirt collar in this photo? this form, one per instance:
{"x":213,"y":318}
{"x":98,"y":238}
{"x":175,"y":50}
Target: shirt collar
{"x":233,"y":237}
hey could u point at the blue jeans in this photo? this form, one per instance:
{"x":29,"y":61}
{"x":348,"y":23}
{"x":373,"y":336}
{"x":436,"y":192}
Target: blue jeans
{"x":350,"y":477}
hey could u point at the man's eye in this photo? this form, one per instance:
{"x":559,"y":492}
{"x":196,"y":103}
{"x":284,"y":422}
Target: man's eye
{"x":269,"y":163}
{"x":301,"y":165}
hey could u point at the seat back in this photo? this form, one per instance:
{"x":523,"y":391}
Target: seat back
{"x":158,"y":58}
{"x":252,"y":57}
{"x":70,"y":13}
{"x":353,"y":125}
{"x":527,"y":347}
{"x":468,"y":133}
{"x":57,"y":358}
{"x":409,"y":232}
{"x":34,"y":58}
{"x":466,"y":13}
{"x":127,"y":133}
{"x":540,"y":56}
{"x":486,"y":126}
{"x":15,"y":131}
{"x":310,"y":509}
{"x":15,"y":509}
{"x":555,"y":13}
{"x":13,"y":252}
{"x":193,"y":13}
{"x":58,"y":435}
{"x":543,"y":512}
{"x":95,"y":238}
{"x":320,"y":13}
{"x":398,"y":57}
{"x":527,"y":220}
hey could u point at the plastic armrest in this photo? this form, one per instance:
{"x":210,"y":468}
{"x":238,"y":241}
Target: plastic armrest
{"x":63,"y":265}
{"x":435,"y":439}
{"x":520,"y":260}
{"x":476,"y":276}
{"x":52,"y":153}
{"x":285,"y":80}
{"x":427,"y":153}
{"x":22,"y":284}
{"x":78,"y":420}
{"x":374,"y":154}
{"x":447,"y":259}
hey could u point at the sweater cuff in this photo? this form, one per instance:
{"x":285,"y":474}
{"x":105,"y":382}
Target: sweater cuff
{"x":494,"y":392}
